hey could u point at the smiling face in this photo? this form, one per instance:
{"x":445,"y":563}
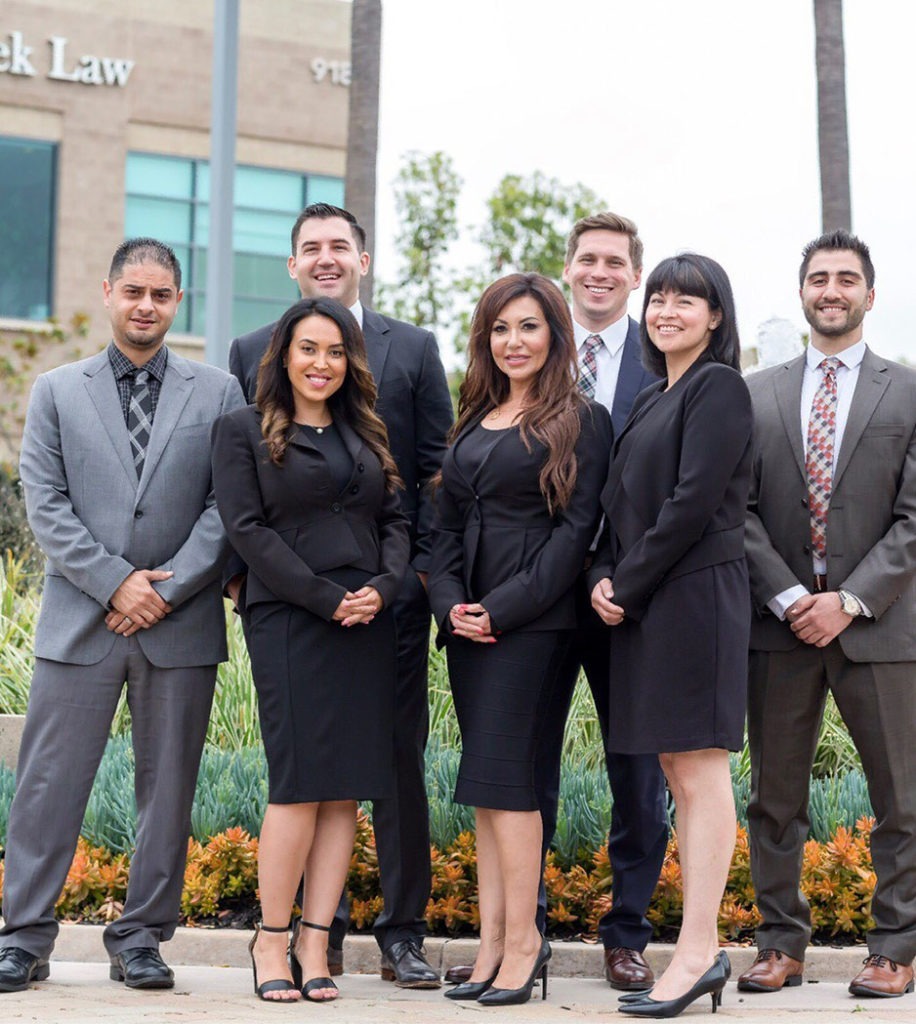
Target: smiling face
{"x":520,"y":341}
{"x":327,"y":260}
{"x":601,"y":276}
{"x":680,"y":326}
{"x":835,"y":298}
{"x":142,"y":304}
{"x":316,"y":363}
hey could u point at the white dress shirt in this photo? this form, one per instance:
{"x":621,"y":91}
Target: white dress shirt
{"x":608,"y":356}
{"x":357,"y":310}
{"x":846,"y":377}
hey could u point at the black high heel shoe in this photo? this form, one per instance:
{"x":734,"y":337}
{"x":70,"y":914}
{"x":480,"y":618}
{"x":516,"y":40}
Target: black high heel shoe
{"x":711,"y":983}
{"x":471,"y":989}
{"x":277,"y":984}
{"x":313,"y":983}
{"x":512,"y":996}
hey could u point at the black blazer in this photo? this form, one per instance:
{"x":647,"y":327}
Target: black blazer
{"x":676,"y":495}
{"x":632,"y":378}
{"x":413,"y":401}
{"x":496,"y":530}
{"x":291,"y":522}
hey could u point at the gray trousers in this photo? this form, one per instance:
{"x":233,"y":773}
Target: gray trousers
{"x":785,"y":707}
{"x":69,"y":716}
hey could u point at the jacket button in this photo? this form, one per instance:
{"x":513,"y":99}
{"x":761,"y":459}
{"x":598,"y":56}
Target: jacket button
{"x":361,"y":468}
{"x":807,"y":550}
{"x":337,"y":507}
{"x":138,"y":514}
{"x":804,"y":502}
{"x":354,"y":489}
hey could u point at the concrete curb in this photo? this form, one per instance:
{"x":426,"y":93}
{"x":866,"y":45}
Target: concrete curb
{"x":209,"y":947}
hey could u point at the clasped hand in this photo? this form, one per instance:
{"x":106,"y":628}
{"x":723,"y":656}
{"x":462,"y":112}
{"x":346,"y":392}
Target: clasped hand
{"x":472,"y":622}
{"x":136,"y":603}
{"x":362,"y":607}
{"x":818,"y":618}
{"x":610,"y":614}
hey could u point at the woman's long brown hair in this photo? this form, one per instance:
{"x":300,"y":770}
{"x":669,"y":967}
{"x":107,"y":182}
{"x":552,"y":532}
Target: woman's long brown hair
{"x":552,"y":412}
{"x":353,"y":402}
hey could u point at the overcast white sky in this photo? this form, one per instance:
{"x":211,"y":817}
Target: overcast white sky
{"x":697,"y":119}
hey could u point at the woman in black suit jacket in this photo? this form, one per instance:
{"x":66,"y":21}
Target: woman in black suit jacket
{"x":307,"y":490}
{"x":516,"y":512}
{"x":672,"y":579}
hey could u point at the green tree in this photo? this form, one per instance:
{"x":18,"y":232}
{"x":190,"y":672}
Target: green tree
{"x":528,"y":221}
{"x":426,"y":192}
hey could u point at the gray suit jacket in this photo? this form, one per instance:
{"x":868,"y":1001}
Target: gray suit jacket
{"x":96,"y":522}
{"x":871,"y":525}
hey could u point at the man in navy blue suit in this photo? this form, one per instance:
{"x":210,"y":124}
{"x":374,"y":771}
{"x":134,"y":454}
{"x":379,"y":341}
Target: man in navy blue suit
{"x":328,"y":257}
{"x":603,"y":267}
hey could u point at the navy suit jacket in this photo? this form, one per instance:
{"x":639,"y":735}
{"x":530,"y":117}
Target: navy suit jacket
{"x":413,"y":400}
{"x":632,"y":379}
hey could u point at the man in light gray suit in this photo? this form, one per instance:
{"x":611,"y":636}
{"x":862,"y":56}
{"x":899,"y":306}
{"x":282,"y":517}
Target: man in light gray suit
{"x":831,"y":545}
{"x":116,"y":468}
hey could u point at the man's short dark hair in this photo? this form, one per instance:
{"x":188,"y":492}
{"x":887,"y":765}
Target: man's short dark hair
{"x":324,"y":211}
{"x":838,"y":241}
{"x":144,"y":250}
{"x":606,"y":222}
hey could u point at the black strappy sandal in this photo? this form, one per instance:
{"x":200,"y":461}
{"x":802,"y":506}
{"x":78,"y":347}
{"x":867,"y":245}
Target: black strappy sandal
{"x":276,"y":984}
{"x":313,"y":983}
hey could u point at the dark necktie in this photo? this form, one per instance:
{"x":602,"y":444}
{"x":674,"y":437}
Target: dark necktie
{"x":819,"y":455}
{"x":588,"y":376}
{"x":140,"y":418}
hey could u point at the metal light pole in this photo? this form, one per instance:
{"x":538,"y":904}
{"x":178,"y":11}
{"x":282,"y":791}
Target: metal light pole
{"x":222,"y":173}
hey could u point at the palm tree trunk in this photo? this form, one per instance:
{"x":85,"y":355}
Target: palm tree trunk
{"x":833,"y":138}
{"x":362,"y":124}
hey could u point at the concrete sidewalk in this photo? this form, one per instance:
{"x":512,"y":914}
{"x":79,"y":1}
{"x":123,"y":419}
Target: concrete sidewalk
{"x":213,"y":984}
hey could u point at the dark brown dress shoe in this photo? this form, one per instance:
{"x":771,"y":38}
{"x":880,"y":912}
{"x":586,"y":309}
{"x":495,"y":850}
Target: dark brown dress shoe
{"x":459,"y":974}
{"x":627,"y":970}
{"x":335,"y":961}
{"x":771,"y":971}
{"x":883,"y":978}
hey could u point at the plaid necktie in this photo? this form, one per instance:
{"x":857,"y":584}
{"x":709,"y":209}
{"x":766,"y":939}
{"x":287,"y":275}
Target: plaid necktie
{"x":140,"y":417}
{"x":819,"y":457}
{"x":588,"y":376}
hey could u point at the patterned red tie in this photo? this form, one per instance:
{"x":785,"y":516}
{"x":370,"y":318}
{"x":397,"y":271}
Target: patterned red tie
{"x":819,"y":458}
{"x":588,"y":376}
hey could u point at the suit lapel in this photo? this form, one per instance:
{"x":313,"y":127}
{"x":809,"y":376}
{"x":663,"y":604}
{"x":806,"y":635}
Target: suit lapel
{"x":103,"y":392}
{"x":788,"y":389}
{"x":174,"y":395}
{"x":629,"y":379}
{"x":871,"y":385}
{"x":375,"y":331}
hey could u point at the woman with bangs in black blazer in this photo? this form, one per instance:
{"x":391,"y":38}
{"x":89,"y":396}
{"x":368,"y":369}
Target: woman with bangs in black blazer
{"x":516,"y":512}
{"x":672,"y":581}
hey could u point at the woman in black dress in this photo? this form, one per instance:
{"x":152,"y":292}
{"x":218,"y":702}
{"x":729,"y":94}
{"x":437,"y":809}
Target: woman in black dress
{"x":516,"y":512}
{"x":672,"y":580}
{"x":307,"y":490}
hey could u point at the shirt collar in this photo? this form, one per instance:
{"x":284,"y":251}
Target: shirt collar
{"x":124,"y":367}
{"x":357,"y":310}
{"x":850,"y":357}
{"x":613,"y":336}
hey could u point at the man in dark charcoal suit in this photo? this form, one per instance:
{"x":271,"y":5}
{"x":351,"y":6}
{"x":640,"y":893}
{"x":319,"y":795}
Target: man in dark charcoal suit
{"x":603,"y":267}
{"x":329,"y":258}
{"x":831,"y":547}
{"x":116,"y":468}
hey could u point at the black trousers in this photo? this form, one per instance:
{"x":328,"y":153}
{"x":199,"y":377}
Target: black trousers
{"x":638,"y":835}
{"x":401,"y":823}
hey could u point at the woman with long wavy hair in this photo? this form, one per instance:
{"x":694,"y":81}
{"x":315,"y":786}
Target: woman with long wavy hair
{"x":307,"y":491}
{"x":516,"y":511}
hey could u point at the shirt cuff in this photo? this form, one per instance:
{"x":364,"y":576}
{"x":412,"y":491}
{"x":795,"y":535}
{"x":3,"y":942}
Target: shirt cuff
{"x":782,"y":602}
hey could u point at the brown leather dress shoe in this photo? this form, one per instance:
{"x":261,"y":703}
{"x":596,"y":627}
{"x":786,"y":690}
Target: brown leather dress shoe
{"x":335,"y":961}
{"x":627,"y":970}
{"x":883,"y":978}
{"x":771,"y":971}
{"x":459,"y":974}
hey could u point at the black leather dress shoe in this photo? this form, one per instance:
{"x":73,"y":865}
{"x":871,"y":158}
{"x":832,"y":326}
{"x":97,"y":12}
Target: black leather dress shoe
{"x":19,"y":968}
{"x":141,"y":968}
{"x":404,"y":964}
